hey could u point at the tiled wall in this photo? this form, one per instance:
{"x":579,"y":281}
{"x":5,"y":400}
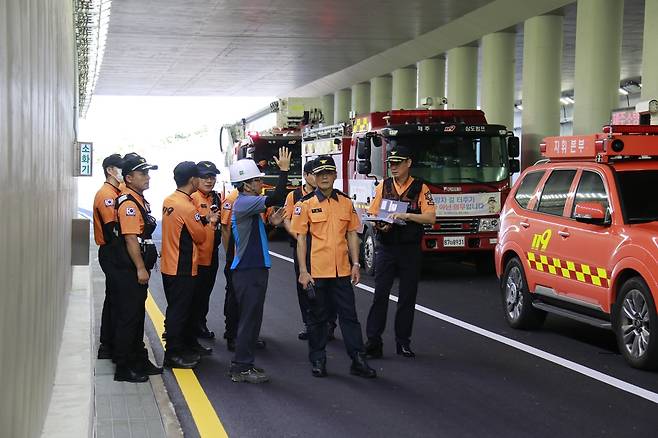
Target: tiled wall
{"x":37,"y":202}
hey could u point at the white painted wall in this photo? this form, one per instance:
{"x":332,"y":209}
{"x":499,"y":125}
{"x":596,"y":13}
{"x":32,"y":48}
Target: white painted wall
{"x":37,"y":200}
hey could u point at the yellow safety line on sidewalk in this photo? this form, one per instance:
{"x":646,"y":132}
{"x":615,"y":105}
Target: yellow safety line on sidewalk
{"x":205,"y":417}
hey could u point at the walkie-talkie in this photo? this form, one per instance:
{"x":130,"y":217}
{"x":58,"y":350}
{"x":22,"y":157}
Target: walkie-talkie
{"x":310,"y":291}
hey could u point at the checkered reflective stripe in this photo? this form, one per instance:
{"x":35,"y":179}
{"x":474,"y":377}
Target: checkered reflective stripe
{"x":361,"y":124}
{"x":569,"y":269}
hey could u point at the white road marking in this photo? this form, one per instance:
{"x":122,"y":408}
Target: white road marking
{"x":581,"y":369}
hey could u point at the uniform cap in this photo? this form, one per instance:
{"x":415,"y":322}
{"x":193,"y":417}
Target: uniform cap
{"x":244,"y":170}
{"x":207,"y":168}
{"x":324,"y":163}
{"x":132,"y":162}
{"x":398,"y":154}
{"x":308,"y":167}
{"x":113,"y":160}
{"x":185,"y":170}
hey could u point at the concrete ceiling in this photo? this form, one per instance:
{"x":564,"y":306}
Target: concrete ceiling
{"x":284,"y":47}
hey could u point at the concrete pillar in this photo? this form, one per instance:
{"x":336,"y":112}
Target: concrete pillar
{"x":542,"y":62}
{"x":650,"y":51}
{"x":598,"y":58}
{"x":361,"y":98}
{"x":328,"y":109}
{"x":462,"y":77}
{"x":497,"y":80}
{"x":342,"y":102}
{"x":380,"y":93}
{"x":404,"y":88}
{"x":431,"y":78}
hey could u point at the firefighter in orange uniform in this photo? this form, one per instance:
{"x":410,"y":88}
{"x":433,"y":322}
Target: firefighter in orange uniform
{"x":105,"y":219}
{"x":398,"y":252}
{"x":206,"y":200}
{"x":183,"y":230}
{"x":134,"y":256}
{"x":326,"y":224}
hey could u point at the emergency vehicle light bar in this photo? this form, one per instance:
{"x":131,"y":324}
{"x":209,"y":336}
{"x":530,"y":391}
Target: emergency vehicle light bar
{"x":630,"y":129}
{"x":600,"y":147}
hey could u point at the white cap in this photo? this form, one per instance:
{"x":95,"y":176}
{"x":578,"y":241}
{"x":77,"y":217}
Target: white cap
{"x":243,"y":170}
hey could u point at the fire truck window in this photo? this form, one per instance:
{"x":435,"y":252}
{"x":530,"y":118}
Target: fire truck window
{"x":591,"y":189}
{"x":527,"y":188}
{"x":638,"y":202}
{"x":556,"y":191}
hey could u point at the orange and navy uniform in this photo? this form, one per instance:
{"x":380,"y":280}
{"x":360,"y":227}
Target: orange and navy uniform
{"x":182,"y":232}
{"x":105,"y":215}
{"x":292,"y":199}
{"x":425,"y":200}
{"x":129,"y":216}
{"x":208,"y":248}
{"x":326,"y":222}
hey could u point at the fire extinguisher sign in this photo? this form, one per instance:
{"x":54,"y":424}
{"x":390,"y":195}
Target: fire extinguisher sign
{"x":84,"y":153}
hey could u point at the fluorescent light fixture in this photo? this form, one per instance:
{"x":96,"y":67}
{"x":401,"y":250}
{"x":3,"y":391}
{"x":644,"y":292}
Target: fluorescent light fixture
{"x":570,"y":100}
{"x":564,"y":101}
{"x":623,"y":92}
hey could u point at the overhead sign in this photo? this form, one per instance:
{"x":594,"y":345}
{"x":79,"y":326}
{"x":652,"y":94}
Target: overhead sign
{"x":84,"y":155}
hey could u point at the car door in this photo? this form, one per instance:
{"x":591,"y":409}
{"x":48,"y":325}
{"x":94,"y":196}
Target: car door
{"x":545,"y":247}
{"x":587,"y":248}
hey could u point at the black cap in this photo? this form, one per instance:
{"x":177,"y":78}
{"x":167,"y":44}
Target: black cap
{"x":308,"y":167}
{"x":132,"y":162}
{"x":324,"y":163}
{"x":207,"y":168}
{"x":397,"y":154}
{"x":184,"y":171}
{"x":113,"y":160}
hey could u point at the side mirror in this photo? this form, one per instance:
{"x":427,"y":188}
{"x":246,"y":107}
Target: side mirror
{"x":513,"y":148}
{"x":514,"y":166}
{"x":364,"y":167}
{"x":363,"y":149}
{"x":590,"y":213}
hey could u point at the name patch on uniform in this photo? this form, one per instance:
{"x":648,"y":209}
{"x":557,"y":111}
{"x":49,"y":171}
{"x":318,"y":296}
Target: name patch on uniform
{"x":316,"y":210}
{"x":197,"y":217}
{"x":109,"y":202}
{"x":298,"y":210}
{"x":130,"y":211}
{"x":227,"y":206}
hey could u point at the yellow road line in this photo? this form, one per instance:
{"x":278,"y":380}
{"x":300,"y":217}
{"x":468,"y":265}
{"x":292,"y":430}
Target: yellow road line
{"x":205,"y":417}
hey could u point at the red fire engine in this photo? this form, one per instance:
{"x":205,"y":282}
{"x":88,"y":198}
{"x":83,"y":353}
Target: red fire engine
{"x":466,"y":162}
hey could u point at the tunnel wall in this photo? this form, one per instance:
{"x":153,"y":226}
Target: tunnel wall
{"x":37,"y":203}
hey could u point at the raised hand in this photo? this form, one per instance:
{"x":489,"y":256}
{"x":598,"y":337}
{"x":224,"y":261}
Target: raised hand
{"x":283,"y":161}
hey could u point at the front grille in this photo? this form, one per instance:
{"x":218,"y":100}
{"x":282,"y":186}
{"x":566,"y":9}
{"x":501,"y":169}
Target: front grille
{"x":453,"y":226}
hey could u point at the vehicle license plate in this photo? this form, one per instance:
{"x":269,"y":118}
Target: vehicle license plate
{"x":454,"y":241}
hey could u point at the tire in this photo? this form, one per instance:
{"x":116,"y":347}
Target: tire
{"x":484,"y":263}
{"x":636,"y":324}
{"x":368,"y":251}
{"x":517,"y":301}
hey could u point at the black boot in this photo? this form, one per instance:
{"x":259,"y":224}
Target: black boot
{"x":405,"y":350}
{"x":149,"y":368}
{"x":319,"y":368}
{"x":104,"y":351}
{"x":180,"y":360}
{"x":200,"y":349}
{"x":204,"y":333}
{"x":374,"y":349}
{"x":125,"y":373}
{"x":361,"y":368}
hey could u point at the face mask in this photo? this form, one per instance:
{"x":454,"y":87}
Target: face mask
{"x":116,"y":173}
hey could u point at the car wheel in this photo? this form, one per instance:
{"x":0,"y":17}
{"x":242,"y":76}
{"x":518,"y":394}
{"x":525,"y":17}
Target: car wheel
{"x":635,"y":324}
{"x":369,"y":252}
{"x":517,"y":301}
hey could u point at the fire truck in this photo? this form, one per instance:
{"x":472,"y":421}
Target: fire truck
{"x":243,"y":139}
{"x":466,"y":163}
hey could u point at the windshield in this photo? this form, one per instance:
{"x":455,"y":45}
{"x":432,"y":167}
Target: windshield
{"x":455,"y":159}
{"x":264,"y":150}
{"x":637,"y":204}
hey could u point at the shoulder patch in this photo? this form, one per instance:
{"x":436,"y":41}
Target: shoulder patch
{"x":122,"y":198}
{"x":130,"y":211}
{"x":109,"y":202}
{"x":197,"y":216}
{"x":227,"y":206}
{"x":429,"y":198}
{"x":298,"y":210}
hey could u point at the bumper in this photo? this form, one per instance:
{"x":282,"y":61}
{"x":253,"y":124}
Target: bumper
{"x":437,"y":243}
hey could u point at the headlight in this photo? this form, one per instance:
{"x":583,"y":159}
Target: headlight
{"x":489,"y":224}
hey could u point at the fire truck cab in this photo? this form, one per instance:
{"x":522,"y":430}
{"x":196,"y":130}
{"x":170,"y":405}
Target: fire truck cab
{"x":578,"y":238}
{"x":465,"y":162}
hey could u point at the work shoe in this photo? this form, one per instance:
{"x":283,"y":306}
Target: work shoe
{"x":374,"y":349}
{"x":204,"y":333}
{"x":176,"y":360}
{"x":319,"y":368}
{"x":127,"y":374}
{"x":303,"y":335}
{"x":361,"y":368}
{"x":252,"y":375}
{"x":200,"y":349}
{"x":149,"y":368}
{"x":405,"y":350}
{"x":104,"y":351}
